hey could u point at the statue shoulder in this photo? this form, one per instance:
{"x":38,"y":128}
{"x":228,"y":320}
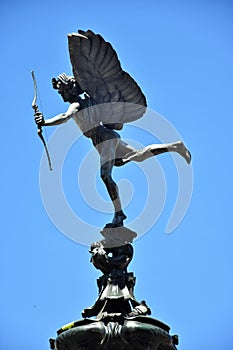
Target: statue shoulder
{"x":73,"y":108}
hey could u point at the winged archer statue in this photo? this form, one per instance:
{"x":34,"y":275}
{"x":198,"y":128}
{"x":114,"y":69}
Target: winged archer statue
{"x":102,"y":98}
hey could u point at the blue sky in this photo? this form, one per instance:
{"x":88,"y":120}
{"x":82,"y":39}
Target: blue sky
{"x":180,"y":53}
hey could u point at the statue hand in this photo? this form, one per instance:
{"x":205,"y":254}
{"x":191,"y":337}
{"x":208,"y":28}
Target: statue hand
{"x":54,"y":83}
{"x":39,"y":118}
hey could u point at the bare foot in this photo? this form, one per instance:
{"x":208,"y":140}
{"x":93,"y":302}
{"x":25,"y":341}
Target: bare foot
{"x":183,"y":151}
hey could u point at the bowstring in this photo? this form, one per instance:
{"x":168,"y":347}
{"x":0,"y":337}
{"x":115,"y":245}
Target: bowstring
{"x":41,"y":107}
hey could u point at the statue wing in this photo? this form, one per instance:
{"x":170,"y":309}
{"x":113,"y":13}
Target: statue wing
{"x":98,"y":71}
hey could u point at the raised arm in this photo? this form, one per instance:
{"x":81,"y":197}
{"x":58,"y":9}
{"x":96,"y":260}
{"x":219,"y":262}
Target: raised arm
{"x":60,"y":118}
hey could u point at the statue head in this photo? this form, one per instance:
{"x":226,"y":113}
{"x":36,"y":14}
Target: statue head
{"x":67,"y":87}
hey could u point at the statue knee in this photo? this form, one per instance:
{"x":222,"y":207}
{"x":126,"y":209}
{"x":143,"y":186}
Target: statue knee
{"x":105,"y":175}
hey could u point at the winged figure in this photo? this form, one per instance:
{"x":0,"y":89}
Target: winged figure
{"x":102,"y":98}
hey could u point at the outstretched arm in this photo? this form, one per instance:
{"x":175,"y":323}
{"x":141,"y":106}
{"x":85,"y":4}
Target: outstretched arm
{"x":60,"y":118}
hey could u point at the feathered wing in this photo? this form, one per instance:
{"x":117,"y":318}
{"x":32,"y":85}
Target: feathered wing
{"x":98,"y":71}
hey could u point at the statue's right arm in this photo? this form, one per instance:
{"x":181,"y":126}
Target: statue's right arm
{"x":63,"y":117}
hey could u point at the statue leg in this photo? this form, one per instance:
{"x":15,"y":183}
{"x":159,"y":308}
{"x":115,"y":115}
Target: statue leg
{"x":107,"y":159}
{"x":154,"y":150}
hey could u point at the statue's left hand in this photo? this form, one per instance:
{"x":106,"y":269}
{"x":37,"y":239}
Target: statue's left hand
{"x":39,"y":119}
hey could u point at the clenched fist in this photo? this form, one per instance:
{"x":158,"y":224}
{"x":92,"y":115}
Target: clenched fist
{"x":39,"y":119}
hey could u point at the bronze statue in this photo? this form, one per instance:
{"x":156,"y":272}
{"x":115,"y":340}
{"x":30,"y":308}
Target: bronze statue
{"x":102,"y":98}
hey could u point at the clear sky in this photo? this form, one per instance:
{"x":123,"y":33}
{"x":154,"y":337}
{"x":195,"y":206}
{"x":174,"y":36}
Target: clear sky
{"x":180,"y":53}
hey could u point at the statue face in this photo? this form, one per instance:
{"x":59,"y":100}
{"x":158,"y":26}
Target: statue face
{"x":64,"y":91}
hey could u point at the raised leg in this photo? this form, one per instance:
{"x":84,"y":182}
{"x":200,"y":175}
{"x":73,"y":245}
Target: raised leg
{"x":156,"y":149}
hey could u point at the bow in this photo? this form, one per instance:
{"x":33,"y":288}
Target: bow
{"x":36,"y":112}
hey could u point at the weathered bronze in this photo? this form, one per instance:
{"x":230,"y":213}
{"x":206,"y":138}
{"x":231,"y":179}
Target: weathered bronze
{"x":121,"y":322}
{"x":112,"y":256}
{"x":111,"y":98}
{"x":102,"y":98}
